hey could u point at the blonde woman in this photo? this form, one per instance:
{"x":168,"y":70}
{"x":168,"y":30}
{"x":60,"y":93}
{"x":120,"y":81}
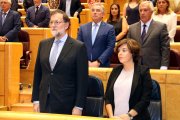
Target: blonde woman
{"x":131,"y":11}
{"x":164,"y":14}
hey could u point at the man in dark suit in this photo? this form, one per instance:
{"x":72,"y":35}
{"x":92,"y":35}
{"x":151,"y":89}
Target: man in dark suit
{"x":153,"y":37}
{"x":99,"y":38}
{"x":10,"y":23}
{"x":71,"y":7}
{"x":61,"y":71}
{"x":37,"y":15}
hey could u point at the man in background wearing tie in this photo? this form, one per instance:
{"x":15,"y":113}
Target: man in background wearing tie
{"x":10,"y":23}
{"x":153,"y":37}
{"x":38,"y":15}
{"x":99,"y":38}
{"x":61,"y":71}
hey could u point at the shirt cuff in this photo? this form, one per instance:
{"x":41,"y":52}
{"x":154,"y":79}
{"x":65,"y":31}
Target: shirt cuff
{"x":79,"y":108}
{"x":163,"y":68}
{"x":35,"y":102}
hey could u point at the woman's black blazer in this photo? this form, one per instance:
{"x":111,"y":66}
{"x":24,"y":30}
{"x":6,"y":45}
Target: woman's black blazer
{"x":140,"y":90}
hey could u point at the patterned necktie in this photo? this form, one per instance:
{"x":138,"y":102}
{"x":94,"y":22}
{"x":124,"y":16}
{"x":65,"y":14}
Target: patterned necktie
{"x":94,"y":33}
{"x":143,"y":33}
{"x":54,"y":51}
{"x":3,"y":18}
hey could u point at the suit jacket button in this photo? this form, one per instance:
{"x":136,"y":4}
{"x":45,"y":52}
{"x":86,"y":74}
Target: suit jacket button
{"x":51,"y":73}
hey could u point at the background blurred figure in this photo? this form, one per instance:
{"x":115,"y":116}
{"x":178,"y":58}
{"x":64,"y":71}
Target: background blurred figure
{"x":54,"y":4}
{"x":10,"y":23}
{"x":99,"y":38}
{"x":119,"y":23}
{"x":14,"y":5}
{"x":61,"y":71}
{"x":134,"y":82}
{"x":164,"y":14}
{"x":37,"y":15}
{"x":91,"y":2}
{"x":131,"y":11}
{"x":153,"y":37}
{"x":28,"y":3}
{"x":153,"y":1}
{"x":71,"y":7}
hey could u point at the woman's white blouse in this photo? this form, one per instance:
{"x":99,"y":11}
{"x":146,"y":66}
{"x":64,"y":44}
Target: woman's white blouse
{"x":122,"y":91}
{"x":170,"y":20}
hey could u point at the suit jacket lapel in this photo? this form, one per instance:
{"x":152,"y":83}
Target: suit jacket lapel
{"x":6,"y":19}
{"x":135,"y":79}
{"x":138,"y":29}
{"x":116,"y":75}
{"x":48,"y":47}
{"x":98,"y":32}
{"x":65,"y":50}
{"x":1,"y":19}
{"x":89,"y":27}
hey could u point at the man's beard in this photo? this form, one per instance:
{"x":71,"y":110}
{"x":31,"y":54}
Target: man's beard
{"x":56,"y":33}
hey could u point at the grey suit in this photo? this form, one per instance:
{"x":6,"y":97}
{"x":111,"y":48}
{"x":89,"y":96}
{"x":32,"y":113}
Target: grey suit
{"x":11,"y":26}
{"x":42,"y":18}
{"x":155,"y":47}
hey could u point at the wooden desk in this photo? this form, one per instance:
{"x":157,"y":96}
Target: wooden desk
{"x":10,"y":54}
{"x":10,"y":115}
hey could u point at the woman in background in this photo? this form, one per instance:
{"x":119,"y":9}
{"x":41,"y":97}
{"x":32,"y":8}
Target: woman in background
{"x":129,"y":86}
{"x":121,"y":27}
{"x":164,"y":14}
{"x":119,"y":23}
{"x":131,"y":11}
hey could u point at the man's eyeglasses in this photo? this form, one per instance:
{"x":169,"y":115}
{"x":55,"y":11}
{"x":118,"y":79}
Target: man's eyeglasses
{"x":55,"y":22}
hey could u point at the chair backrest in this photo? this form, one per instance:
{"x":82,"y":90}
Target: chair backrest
{"x":114,"y":61}
{"x":95,"y":98}
{"x":155,"y":107}
{"x":25,"y":40}
{"x":174,"y":59}
{"x":177,"y":35}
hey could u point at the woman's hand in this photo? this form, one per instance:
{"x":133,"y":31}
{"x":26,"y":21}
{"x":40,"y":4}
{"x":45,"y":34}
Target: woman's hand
{"x":125,"y":117}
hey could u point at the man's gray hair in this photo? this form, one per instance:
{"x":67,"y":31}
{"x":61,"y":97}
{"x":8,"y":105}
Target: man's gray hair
{"x":9,"y":1}
{"x":149,"y":4}
{"x":99,"y":4}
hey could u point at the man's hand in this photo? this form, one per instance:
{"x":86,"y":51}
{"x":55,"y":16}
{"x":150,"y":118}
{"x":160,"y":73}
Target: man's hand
{"x":3,"y":38}
{"x":36,"y":107}
{"x":76,"y":111}
{"x":35,"y":26}
{"x":94,"y":64}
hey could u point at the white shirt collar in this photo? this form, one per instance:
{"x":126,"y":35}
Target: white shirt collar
{"x":147,"y":23}
{"x":93,"y":23}
{"x":63,"y":39}
{"x":5,"y":12}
